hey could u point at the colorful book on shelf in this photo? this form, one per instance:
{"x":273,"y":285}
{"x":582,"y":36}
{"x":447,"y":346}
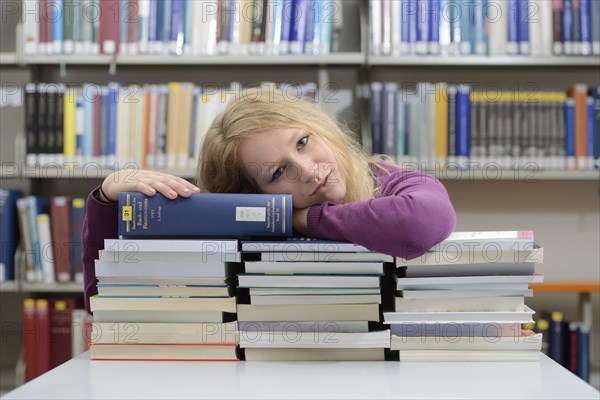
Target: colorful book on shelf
{"x":205,"y":215}
{"x":9,"y":229}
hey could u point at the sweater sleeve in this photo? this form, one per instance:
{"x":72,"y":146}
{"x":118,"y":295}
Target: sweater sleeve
{"x":411,"y":215}
{"x":100,"y":223}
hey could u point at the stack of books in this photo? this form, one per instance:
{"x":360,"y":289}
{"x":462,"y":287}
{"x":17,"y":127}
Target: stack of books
{"x":165,"y":299}
{"x":464,"y":300}
{"x":311,"y":300}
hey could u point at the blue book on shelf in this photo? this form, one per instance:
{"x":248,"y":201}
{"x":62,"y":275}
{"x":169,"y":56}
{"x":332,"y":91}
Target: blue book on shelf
{"x":512,"y":30}
{"x":570,"y":132}
{"x":35,"y":206}
{"x":585,"y":26}
{"x":557,"y":337}
{"x":590,"y":131}
{"x":166,"y":33}
{"x":388,"y":118}
{"x":123,"y":21}
{"x":9,"y":232}
{"x":56,"y":10}
{"x":411,"y":10}
{"x":405,"y":24}
{"x":524,"y":15}
{"x":205,"y":214}
{"x":463,"y":123}
{"x":583,"y":352}
{"x":176,"y":36}
{"x":152,"y":22}
{"x":466,"y":26}
{"x":478,"y":39}
{"x":568,"y":26}
{"x":287,"y":15}
{"x":423,"y":17}
{"x":187,"y":23}
{"x":434,"y":26}
{"x":376,"y":93}
{"x":160,"y":21}
{"x":400,"y":126}
{"x":298,"y":26}
{"x":111,"y":121}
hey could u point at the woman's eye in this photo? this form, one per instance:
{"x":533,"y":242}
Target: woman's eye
{"x":278,"y":172}
{"x":303,"y":142}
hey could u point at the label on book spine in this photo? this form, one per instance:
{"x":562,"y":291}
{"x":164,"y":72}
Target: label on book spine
{"x":205,"y":214}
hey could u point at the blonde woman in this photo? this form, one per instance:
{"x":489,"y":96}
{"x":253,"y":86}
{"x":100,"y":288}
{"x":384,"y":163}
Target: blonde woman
{"x":267,"y":143}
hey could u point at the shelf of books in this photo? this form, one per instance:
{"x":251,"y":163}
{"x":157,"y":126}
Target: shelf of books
{"x":350,"y":58}
{"x":485,"y":61}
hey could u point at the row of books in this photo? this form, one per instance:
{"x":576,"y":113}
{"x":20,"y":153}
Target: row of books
{"x":48,"y":234}
{"x":151,"y":126}
{"x":54,"y":331}
{"x":440,"y":124}
{"x":486,"y":27}
{"x":178,"y":27}
{"x":566,"y":342}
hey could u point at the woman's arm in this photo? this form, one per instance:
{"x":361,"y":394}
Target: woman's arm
{"x":413,"y":214}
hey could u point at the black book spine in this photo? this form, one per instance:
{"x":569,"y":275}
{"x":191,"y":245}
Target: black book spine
{"x":31,"y":111}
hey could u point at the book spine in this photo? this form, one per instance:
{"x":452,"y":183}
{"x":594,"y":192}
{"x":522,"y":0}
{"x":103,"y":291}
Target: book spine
{"x":556,"y":337}
{"x":463,"y":124}
{"x":523,"y":15}
{"x":31,"y":338}
{"x":60,"y":210}
{"x":434,"y":27}
{"x":187,"y":25}
{"x":388,"y":119}
{"x":571,"y":362}
{"x":452,"y":94}
{"x":512,"y":46}
{"x":422,"y":27}
{"x":31,"y":111}
{"x":166,"y":27}
{"x":579,"y":94}
{"x":595,"y":22}
{"x":41,"y":147}
{"x":77,"y":210}
{"x":214,"y":215}
{"x":585,"y":21}
{"x":42,"y":345}
{"x":31,"y":26}
{"x":466,"y":31}
{"x":57,"y":26}
{"x":568,"y":27}
{"x":298,"y":26}
{"x":60,"y":330}
{"x":590,"y":133}
{"x":112,"y":103}
{"x":109,"y":26}
{"x":45,"y":245}
{"x":412,"y":12}
{"x":88,"y":136}
{"x":133,"y":25}
{"x":10,"y":233}
{"x":287,"y":14}
{"x":79,"y":126}
{"x":557,"y":27}
{"x":478,"y":39}
{"x":444,"y":26}
{"x":376,"y":89}
{"x":400,"y":126}
{"x":583,"y":353}
{"x":595,"y":93}
{"x":144,"y":26}
{"x":59,"y":136}
{"x":176,"y":35}
{"x":576,"y":5}
{"x":69,"y":111}
{"x":123,"y":27}
{"x":570,"y":133}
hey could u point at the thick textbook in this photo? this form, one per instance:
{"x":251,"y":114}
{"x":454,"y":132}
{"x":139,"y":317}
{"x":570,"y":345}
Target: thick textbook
{"x":205,"y":214}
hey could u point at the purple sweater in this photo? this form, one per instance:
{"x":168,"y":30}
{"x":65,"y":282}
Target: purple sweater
{"x":411,"y":214}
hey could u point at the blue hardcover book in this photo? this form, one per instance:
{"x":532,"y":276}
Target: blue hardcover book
{"x":56,"y":8}
{"x":583,"y":352}
{"x":411,"y":10}
{"x":585,"y":26}
{"x":187,"y":26}
{"x":466,"y":27}
{"x":298,"y":26}
{"x":205,"y":214}
{"x":512,"y":45}
{"x":463,"y":124}
{"x":277,"y":19}
{"x":124,"y":20}
{"x":557,"y":336}
{"x":388,"y":118}
{"x":166,"y":31}
{"x":478,"y":41}
{"x":568,"y":26}
{"x":176,"y":36}
{"x":313,"y":35}
{"x":160,"y":26}
{"x":9,"y":232}
{"x":36,"y":205}
{"x":523,"y":15}
{"x":152,"y":25}
{"x":595,"y":93}
{"x":423,"y":17}
{"x":434,"y":26}
{"x":287,"y":15}
{"x":404,"y":27}
{"x":570,"y":132}
{"x":590,"y":132}
{"x":111,"y":122}
{"x":376,"y":89}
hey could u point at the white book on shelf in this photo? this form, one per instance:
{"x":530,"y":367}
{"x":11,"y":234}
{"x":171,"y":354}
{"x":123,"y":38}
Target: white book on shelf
{"x":31,"y":27}
{"x":308,"y":281}
{"x":211,"y":269}
{"x":255,"y":292}
{"x":484,"y":303}
{"x":386,"y":27}
{"x":317,"y":299}
{"x":479,"y":292}
{"x":135,"y":256}
{"x":396,"y":21}
{"x":536,"y":27}
{"x":304,"y":340}
{"x":376,"y":27}
{"x":465,"y":281}
{"x":254,"y":327}
{"x":45,"y":246}
{"x":522,"y":316}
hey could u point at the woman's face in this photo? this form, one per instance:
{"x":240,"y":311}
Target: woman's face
{"x":292,"y":161}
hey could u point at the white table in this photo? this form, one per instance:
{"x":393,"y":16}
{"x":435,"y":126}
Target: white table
{"x":81,"y":378}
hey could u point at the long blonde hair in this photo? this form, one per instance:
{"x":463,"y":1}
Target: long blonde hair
{"x":219,"y":169}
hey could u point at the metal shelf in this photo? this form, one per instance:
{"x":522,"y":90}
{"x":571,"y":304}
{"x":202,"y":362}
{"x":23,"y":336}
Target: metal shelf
{"x":485,"y":61}
{"x":350,"y":58}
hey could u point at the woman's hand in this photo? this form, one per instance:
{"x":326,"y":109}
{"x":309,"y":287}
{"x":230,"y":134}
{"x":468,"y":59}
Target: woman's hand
{"x":299,"y":220}
{"x":147,"y":182}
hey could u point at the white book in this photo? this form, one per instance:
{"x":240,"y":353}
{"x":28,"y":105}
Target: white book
{"x":296,"y":339}
{"x":304,"y":281}
{"x":487,"y":330}
{"x":376,"y":27}
{"x":165,"y":333}
{"x":45,"y":246}
{"x":163,"y":269}
{"x":262,"y":267}
{"x":518,"y":343}
{"x":501,"y":240}
{"x":123,"y":290}
{"x":318,"y":299}
{"x":255,"y":292}
{"x":396,"y":21}
{"x":470,"y":269}
{"x":164,"y":303}
{"x":487,"y":303}
{"x":449,"y":281}
{"x":386,"y":25}
{"x":166,"y":257}
{"x":171,"y":245}
{"x":160,"y":280}
{"x":547,"y":34}
{"x":31,"y":26}
{"x":304,"y":326}
{"x":522,"y":316}
{"x":302,"y":245}
{"x":535,"y":27}
{"x":442,"y":294}
{"x":469,"y":355}
{"x":157,"y":316}
{"x":324,"y":257}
